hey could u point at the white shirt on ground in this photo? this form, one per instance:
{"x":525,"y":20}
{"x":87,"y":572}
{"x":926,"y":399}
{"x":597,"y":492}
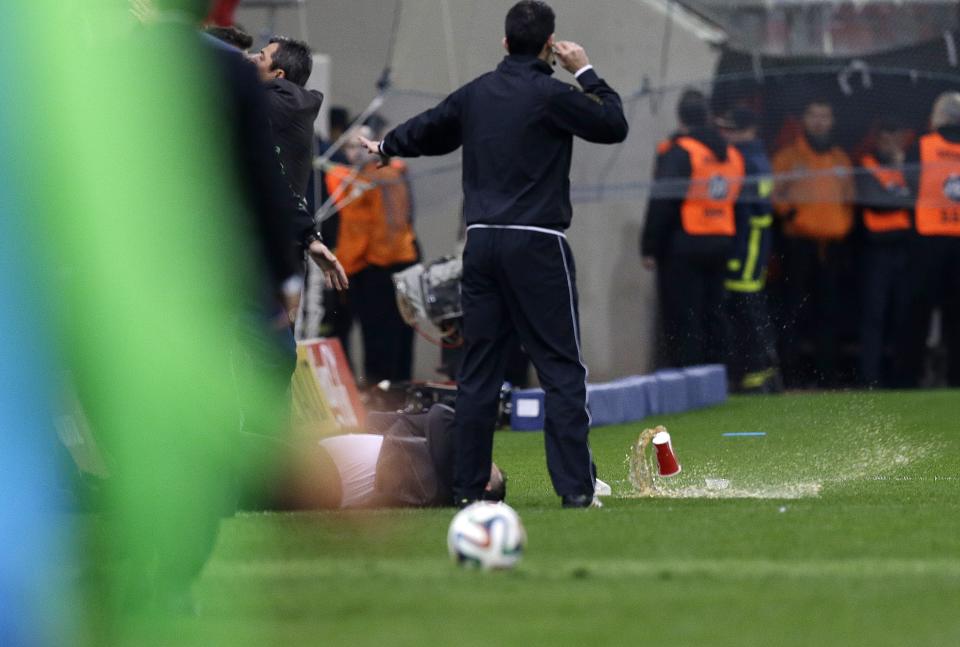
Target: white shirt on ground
{"x":355,"y":456}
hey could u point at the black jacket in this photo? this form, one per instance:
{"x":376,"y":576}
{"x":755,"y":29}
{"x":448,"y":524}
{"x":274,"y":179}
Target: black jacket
{"x":662,"y":231}
{"x":873,"y":195}
{"x":516,"y":125}
{"x":293,"y":111}
{"x":265,"y":194}
{"x":415,"y":467}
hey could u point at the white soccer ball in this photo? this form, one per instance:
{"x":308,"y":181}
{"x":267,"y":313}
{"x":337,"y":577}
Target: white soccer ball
{"x":488,"y":535}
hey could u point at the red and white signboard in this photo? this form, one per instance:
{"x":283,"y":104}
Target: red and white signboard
{"x":324,"y":390}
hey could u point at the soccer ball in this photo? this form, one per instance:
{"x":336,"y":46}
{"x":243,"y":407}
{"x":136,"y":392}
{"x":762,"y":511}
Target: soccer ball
{"x":488,"y":535}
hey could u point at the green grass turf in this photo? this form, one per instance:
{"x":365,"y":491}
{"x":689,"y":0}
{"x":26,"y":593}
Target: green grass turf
{"x":873,"y":560}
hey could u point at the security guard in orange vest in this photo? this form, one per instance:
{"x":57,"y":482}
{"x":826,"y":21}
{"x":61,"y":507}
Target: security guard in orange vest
{"x":886,"y":206}
{"x":375,"y":239}
{"x":933,"y":166}
{"x":689,"y":231}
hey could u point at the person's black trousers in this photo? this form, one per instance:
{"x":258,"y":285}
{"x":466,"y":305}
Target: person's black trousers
{"x":884,"y":308}
{"x":524,"y":281}
{"x":934,"y":282}
{"x":387,"y":339}
{"x":811,"y":308}
{"x":692,"y":302}
{"x":751,"y":354}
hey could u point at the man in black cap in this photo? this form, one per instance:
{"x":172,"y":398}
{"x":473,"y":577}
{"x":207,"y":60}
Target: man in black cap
{"x":516,"y":126}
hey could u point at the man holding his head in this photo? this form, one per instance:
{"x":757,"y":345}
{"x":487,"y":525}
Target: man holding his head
{"x":516,"y":126}
{"x":285,"y":66}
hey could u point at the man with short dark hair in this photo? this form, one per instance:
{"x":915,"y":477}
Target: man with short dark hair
{"x":516,"y":126}
{"x":284,"y":66}
{"x":285,"y":58}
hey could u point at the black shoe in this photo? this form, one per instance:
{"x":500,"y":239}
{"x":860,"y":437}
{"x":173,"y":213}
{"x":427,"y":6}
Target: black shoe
{"x":580,"y":501}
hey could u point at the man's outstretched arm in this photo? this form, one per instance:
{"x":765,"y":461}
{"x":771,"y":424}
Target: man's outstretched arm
{"x":434,"y":132}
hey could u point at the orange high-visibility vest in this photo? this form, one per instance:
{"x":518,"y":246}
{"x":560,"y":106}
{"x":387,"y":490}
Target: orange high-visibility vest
{"x":883,"y":221}
{"x":664,"y":145}
{"x":938,"y":200}
{"x":375,"y":226}
{"x":708,"y":209}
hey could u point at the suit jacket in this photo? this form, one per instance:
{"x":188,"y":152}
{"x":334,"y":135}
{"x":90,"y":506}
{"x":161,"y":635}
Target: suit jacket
{"x":516,"y":126}
{"x":415,"y":468}
{"x":293,"y":111}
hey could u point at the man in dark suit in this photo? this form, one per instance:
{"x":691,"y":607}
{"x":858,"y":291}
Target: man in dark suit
{"x":516,"y":126}
{"x":285,"y":66}
{"x":402,"y":461}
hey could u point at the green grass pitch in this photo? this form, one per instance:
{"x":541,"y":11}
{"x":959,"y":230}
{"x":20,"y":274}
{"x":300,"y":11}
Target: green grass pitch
{"x":840,"y":527}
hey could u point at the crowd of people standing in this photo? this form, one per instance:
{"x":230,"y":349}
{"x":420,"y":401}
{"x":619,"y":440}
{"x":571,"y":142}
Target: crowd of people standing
{"x":723,"y":218}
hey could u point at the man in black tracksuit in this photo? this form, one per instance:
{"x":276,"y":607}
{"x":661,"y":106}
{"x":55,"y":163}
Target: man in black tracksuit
{"x":516,"y":126}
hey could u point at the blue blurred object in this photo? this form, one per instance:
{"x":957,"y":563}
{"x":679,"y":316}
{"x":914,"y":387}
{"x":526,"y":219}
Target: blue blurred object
{"x":608,"y":403}
{"x":706,"y":385}
{"x":673,"y":389}
{"x":527,"y":410}
{"x":29,"y":544}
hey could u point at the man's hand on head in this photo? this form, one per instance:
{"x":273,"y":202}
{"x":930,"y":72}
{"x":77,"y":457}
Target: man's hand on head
{"x":373,"y":148}
{"x":571,"y":56}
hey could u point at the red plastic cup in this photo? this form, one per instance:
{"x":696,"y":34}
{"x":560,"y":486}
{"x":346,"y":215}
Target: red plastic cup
{"x":666,"y":459}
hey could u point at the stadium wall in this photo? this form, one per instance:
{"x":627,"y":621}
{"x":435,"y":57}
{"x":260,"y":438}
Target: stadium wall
{"x":443,"y":43}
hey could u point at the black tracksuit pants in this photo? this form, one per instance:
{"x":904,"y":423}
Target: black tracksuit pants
{"x":521,"y":280}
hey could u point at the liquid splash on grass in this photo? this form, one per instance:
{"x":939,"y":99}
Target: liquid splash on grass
{"x":860,"y":444}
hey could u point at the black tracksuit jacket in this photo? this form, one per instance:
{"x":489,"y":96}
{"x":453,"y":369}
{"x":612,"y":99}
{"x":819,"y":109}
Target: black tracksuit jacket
{"x":516,"y":125}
